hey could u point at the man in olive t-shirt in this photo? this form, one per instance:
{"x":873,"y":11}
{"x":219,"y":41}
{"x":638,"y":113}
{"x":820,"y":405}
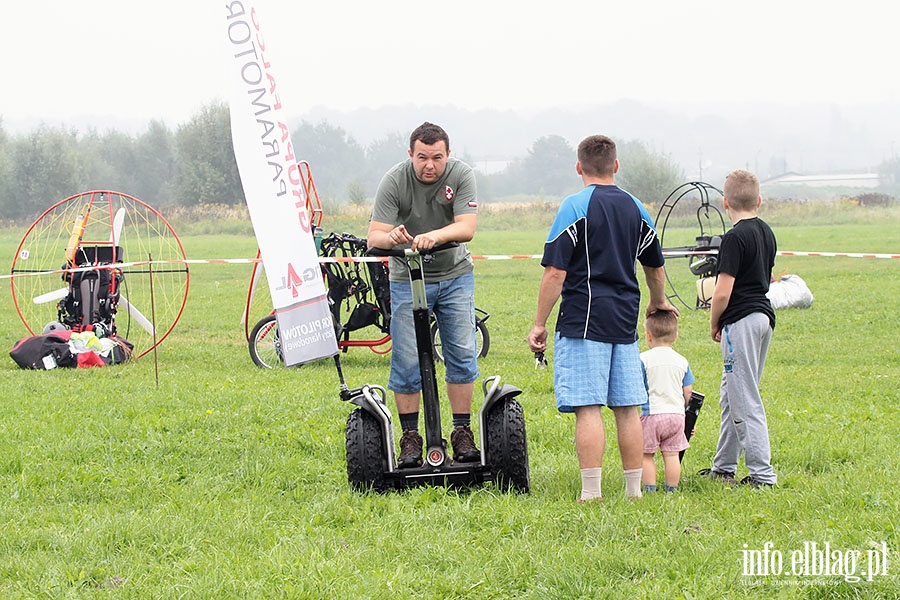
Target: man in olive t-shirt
{"x":428,"y":200}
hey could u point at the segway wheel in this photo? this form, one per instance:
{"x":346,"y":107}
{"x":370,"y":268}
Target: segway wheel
{"x":506,"y":447}
{"x":366,"y":454}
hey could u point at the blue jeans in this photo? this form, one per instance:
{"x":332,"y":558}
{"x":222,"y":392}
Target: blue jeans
{"x":453,"y":304}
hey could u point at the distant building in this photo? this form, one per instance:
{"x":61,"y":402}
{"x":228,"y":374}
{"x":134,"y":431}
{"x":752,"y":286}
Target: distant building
{"x":852,"y":180}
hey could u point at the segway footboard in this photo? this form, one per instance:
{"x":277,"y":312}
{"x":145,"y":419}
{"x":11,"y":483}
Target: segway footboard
{"x":451,"y":474}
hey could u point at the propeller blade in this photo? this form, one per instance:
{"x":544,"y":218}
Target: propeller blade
{"x":118,"y":222}
{"x":51,"y":296}
{"x":137,"y":316}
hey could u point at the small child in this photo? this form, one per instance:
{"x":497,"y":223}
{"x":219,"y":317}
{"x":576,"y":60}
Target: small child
{"x":669,"y":384}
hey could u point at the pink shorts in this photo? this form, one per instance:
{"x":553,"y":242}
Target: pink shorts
{"x":664,"y":432}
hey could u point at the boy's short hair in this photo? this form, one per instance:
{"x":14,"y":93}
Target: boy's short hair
{"x":597,"y":155}
{"x":429,"y":134}
{"x":662,"y":325}
{"x":742,"y":190}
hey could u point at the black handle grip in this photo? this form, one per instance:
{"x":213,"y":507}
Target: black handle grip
{"x":401,"y":252}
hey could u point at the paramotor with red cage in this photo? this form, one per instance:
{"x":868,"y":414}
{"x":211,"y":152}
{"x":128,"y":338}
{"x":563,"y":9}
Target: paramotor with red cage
{"x":122,"y":255}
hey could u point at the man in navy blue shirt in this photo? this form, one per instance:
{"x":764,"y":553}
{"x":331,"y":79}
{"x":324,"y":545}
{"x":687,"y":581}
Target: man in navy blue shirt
{"x":589,"y":260}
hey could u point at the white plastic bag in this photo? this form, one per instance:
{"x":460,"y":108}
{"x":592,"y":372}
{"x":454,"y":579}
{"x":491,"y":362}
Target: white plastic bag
{"x":789,"y":291}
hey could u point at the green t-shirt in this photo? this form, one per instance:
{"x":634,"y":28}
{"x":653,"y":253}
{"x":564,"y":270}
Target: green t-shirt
{"x":402,"y":199}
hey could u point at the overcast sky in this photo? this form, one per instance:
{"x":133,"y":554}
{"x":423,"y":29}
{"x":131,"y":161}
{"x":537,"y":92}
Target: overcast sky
{"x":66,"y":60}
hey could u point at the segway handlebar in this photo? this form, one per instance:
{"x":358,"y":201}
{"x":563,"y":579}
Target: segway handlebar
{"x":402,"y":252}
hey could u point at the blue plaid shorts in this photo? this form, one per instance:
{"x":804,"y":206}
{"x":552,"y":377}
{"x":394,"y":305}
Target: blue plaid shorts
{"x":587,"y":373}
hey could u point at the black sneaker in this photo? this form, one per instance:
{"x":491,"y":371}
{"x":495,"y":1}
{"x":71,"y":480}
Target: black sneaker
{"x":717,"y":475}
{"x":755,"y":483}
{"x":410,"y":450}
{"x":463,"y":441}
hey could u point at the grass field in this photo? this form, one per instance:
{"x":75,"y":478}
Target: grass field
{"x":227,"y":481}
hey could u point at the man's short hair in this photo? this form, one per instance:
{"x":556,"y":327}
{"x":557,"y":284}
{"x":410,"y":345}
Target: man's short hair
{"x":742,"y":190}
{"x":662,"y":325}
{"x":597,"y":155}
{"x":429,"y":134}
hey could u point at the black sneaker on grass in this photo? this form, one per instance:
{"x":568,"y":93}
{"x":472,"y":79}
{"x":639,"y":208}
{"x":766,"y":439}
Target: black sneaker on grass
{"x":410,"y":450}
{"x":464,"y":449}
{"x":755,"y":483}
{"x":717,"y":475}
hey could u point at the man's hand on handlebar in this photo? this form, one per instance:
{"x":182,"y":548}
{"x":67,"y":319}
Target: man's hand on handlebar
{"x":400,"y":252}
{"x":423,"y":242}
{"x":389,"y":239}
{"x":398,"y":236}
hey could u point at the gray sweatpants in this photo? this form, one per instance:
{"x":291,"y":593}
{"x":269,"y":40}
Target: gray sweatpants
{"x":744,"y":427}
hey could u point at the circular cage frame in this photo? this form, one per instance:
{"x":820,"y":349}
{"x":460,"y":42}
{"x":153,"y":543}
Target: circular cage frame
{"x":105,"y":218}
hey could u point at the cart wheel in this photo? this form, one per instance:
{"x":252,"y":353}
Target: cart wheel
{"x":265,"y":345}
{"x":506,"y":448}
{"x":366,"y":455}
{"x":482,"y":340}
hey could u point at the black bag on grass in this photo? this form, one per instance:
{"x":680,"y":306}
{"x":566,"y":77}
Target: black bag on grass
{"x":45,"y":351}
{"x":121,"y":352}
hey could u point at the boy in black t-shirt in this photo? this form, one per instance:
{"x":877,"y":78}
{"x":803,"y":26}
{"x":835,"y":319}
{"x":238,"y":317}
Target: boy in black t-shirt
{"x":742,"y":321}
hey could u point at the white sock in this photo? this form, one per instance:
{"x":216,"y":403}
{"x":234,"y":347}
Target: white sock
{"x":590,"y":483}
{"x":633,"y":482}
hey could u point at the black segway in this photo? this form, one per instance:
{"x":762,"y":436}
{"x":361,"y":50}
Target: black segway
{"x":371,"y":460}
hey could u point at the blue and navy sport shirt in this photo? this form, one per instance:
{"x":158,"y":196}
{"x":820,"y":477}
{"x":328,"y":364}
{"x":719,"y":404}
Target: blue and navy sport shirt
{"x":597,"y":237}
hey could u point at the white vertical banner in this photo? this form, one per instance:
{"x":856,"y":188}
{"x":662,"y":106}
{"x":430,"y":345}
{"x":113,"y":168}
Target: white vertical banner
{"x":275,"y":194}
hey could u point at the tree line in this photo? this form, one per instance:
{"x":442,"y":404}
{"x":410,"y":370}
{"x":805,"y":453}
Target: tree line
{"x":195,"y":165}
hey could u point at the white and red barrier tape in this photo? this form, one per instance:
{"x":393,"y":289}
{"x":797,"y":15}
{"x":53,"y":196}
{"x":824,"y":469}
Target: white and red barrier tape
{"x":243,"y":261}
{"x":839,"y":254}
